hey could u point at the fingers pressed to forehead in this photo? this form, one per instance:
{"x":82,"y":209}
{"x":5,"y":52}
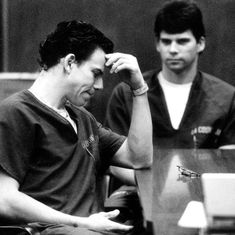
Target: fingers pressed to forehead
{"x":112,"y":58}
{"x":117,"y":64}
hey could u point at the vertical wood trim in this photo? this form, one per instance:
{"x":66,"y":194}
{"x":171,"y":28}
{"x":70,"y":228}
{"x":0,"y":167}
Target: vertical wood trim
{"x":5,"y":35}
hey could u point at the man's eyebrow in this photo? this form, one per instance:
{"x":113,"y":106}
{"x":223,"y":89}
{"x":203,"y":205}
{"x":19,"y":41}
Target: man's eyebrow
{"x":165,"y":38}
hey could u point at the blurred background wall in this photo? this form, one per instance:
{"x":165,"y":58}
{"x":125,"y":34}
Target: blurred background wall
{"x":129,"y":23}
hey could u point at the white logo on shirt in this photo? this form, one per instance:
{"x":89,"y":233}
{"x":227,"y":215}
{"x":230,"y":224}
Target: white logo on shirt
{"x":204,"y":130}
{"x":87,"y":143}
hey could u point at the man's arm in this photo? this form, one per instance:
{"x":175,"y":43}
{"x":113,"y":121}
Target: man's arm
{"x":17,"y":206}
{"x":227,"y":136}
{"x":136,"y":151}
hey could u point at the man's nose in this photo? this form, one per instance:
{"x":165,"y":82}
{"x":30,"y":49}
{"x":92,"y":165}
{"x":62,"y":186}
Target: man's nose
{"x":173,"y":47}
{"x":98,"y":85}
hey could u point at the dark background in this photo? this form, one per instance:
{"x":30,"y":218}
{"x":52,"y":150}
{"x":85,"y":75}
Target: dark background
{"x":129,"y":23}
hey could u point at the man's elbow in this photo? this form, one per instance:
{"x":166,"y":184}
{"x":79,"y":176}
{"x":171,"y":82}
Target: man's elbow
{"x":145,"y":165}
{"x":4,"y":206}
{"x":7,"y":210}
{"x":145,"y":161}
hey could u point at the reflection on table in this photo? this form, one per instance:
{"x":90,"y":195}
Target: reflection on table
{"x":165,"y":193}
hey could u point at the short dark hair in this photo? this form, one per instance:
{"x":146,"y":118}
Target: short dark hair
{"x":178,"y":16}
{"x":77,"y":37}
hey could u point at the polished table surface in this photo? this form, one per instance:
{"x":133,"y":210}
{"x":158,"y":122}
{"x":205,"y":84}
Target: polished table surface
{"x":164,"y":193}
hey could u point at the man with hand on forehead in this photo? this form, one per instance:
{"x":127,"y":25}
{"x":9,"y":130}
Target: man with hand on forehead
{"x":53,"y":153}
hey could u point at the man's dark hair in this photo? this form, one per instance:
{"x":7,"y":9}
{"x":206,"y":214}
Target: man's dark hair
{"x":77,"y":37}
{"x":178,"y":16}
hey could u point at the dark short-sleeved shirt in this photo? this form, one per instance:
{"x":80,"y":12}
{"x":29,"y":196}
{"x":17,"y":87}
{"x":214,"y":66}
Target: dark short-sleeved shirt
{"x":208,"y":120}
{"x":53,"y":164}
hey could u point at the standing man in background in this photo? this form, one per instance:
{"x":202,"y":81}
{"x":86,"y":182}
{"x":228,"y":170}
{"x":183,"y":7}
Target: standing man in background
{"x":189,"y":108}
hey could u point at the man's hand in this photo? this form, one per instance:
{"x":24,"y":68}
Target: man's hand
{"x":127,"y":67}
{"x":102,"y":222}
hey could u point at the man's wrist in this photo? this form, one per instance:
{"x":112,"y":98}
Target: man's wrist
{"x":140,"y":91}
{"x":82,"y":222}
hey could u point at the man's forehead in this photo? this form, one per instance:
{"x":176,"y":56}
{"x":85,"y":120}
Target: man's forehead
{"x":97,"y":60}
{"x":185,"y":34}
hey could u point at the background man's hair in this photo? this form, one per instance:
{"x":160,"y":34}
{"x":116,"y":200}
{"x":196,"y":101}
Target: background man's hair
{"x":77,"y":37}
{"x":178,"y":16}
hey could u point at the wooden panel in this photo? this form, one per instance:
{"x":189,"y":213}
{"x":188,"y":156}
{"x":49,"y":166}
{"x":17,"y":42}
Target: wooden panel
{"x":11,"y":83}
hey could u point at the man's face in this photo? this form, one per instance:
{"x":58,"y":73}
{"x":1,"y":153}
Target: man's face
{"x":180,"y":51}
{"x":85,"y":78}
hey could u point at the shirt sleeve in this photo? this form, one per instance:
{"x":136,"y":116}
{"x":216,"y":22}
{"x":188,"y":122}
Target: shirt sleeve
{"x":227,"y":136}
{"x":110,"y":141}
{"x":16,"y":141}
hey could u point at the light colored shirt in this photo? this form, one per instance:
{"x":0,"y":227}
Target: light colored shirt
{"x":176,"y":96}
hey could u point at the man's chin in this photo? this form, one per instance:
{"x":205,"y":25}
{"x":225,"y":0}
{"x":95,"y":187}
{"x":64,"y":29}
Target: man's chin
{"x":86,"y":102}
{"x":81,"y":103}
{"x":176,"y":69}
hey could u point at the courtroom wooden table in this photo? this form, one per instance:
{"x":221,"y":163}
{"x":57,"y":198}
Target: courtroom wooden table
{"x":164,"y":192}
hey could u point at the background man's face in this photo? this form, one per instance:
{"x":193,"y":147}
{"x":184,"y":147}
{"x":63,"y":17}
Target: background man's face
{"x":179,"y":51}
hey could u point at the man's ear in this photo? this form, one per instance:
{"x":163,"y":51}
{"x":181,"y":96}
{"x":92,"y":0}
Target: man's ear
{"x":201,"y":45}
{"x":68,"y":61}
{"x":157,"y":44}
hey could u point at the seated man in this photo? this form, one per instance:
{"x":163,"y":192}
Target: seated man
{"x":189,"y":108}
{"x":53,"y":152}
